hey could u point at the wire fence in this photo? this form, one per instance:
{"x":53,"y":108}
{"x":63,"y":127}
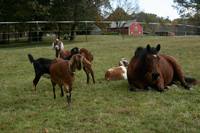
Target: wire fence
{"x":47,"y":31}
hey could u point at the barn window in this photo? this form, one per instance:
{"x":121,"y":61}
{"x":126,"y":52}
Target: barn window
{"x":135,"y":28}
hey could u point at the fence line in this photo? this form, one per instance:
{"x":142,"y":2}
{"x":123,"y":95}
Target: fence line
{"x":9,"y":33}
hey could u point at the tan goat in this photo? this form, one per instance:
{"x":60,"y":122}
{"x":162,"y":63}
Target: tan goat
{"x":63,"y":73}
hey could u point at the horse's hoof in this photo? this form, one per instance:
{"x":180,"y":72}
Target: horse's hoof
{"x":132,"y":88}
{"x":190,"y":89}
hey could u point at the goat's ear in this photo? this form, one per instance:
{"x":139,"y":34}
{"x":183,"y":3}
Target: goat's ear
{"x":61,"y":46}
{"x":158,"y":47}
{"x":53,"y":46}
{"x":85,"y":61}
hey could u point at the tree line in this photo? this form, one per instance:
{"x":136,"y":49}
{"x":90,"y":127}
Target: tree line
{"x":86,"y":10}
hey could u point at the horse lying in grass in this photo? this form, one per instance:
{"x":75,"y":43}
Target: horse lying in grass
{"x":149,"y":69}
{"x":63,"y":73}
{"x":42,"y":65}
{"x":60,"y":52}
{"x":117,"y":73}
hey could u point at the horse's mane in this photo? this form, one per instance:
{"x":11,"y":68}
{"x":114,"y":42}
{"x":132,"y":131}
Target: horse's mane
{"x":141,"y":52}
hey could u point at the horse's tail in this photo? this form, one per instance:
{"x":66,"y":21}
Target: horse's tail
{"x":30,"y":58}
{"x":191,"y":80}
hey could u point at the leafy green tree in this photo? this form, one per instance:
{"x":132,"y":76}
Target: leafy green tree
{"x":76,"y":10}
{"x":187,"y":8}
{"x":22,"y":10}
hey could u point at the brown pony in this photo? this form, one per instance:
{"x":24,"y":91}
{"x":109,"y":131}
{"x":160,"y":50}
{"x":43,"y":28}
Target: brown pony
{"x":149,"y":69}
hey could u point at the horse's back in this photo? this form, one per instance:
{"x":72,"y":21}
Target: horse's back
{"x":166,"y":70}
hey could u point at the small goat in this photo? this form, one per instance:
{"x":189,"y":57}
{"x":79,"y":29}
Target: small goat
{"x":117,"y":73}
{"x":42,"y":65}
{"x":63,"y":73}
{"x":60,"y":52}
{"x":59,"y":47}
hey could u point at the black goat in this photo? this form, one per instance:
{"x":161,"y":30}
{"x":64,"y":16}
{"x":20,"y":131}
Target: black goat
{"x":42,"y":65}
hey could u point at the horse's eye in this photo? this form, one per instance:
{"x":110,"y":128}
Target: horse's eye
{"x":148,"y":59}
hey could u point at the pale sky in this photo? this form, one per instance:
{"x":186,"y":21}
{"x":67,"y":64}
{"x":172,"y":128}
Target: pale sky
{"x":161,"y":8}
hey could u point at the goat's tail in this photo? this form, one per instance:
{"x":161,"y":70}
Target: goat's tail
{"x":30,"y":58}
{"x":191,"y":80}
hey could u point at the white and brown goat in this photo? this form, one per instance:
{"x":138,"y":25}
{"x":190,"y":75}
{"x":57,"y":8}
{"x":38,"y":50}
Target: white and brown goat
{"x":60,"y":52}
{"x":117,"y":73}
{"x":63,"y":73}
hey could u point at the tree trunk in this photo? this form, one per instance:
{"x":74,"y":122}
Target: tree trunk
{"x":59,"y":31}
{"x":4,"y":38}
{"x":30,"y":38}
{"x":72,"y":37}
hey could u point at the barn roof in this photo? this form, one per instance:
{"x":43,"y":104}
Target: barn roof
{"x":121,"y":23}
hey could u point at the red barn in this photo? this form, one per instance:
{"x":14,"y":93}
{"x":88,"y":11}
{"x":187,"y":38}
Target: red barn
{"x":131,"y":27}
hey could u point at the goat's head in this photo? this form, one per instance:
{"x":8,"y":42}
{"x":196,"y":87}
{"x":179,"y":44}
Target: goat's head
{"x":123,"y":62}
{"x":75,"y":50}
{"x":58,"y":46}
{"x":79,"y":61}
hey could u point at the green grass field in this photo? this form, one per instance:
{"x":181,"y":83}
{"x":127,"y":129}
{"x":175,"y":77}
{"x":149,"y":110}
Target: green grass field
{"x":104,"y":106}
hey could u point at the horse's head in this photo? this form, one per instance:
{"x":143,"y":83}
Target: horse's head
{"x":152,"y":61}
{"x":58,"y":46}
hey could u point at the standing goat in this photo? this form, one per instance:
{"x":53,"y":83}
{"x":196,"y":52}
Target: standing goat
{"x":60,"y":52}
{"x":117,"y":73}
{"x":63,"y":73}
{"x":42,"y":65}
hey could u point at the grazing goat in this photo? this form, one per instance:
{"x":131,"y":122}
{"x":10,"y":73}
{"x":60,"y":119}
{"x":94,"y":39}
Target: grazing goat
{"x":117,"y":73}
{"x":63,"y":73}
{"x":42,"y":65}
{"x":60,"y":52}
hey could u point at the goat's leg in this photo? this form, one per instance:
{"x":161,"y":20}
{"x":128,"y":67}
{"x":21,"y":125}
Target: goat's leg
{"x":70,"y":92}
{"x":35,"y":81}
{"x":87,"y":73}
{"x":62,"y":94}
{"x":66,"y":87}
{"x":92,"y":73}
{"x":54,"y":90}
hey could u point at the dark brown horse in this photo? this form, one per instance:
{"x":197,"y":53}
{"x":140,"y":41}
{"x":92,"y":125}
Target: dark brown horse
{"x":149,"y":69}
